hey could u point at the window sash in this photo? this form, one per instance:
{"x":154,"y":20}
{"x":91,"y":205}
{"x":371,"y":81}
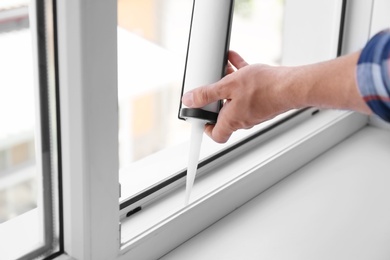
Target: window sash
{"x":309,"y":51}
{"x":87,"y":35}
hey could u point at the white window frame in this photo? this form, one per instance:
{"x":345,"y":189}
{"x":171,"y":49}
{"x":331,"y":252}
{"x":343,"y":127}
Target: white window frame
{"x":86,"y":30}
{"x":89,"y":126}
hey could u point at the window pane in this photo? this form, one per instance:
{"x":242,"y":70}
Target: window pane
{"x":152,"y":45}
{"x":17,"y":112}
{"x":151,"y":51}
{"x":152,"y":42}
{"x":28,"y":139}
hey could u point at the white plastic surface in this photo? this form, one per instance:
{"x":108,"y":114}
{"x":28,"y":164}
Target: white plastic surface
{"x":381,"y":17}
{"x":336,"y":207}
{"x":310,"y":35}
{"x":207,"y":45}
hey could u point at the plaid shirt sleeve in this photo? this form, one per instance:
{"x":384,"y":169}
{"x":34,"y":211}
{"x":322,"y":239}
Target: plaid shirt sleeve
{"x":373,"y":74}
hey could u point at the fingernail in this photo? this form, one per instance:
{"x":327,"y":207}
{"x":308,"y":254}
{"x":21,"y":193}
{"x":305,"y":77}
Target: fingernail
{"x":188,"y":99}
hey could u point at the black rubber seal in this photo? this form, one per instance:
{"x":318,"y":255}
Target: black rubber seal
{"x":210,"y":117}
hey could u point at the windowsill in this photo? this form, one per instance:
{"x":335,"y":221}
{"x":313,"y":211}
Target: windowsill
{"x":335,"y":207}
{"x":237,"y":181}
{"x":24,"y":231}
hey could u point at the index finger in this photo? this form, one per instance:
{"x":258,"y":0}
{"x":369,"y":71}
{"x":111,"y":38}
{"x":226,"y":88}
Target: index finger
{"x":205,"y":95}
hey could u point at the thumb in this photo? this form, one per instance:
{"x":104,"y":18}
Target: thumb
{"x":201,"y":96}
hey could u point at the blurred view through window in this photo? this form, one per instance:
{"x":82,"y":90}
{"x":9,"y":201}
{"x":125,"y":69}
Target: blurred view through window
{"x":18,"y":179}
{"x":152,"y":42}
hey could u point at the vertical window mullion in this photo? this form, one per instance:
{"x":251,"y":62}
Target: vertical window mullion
{"x":89,"y":127}
{"x":357,"y":25}
{"x":380,"y":17}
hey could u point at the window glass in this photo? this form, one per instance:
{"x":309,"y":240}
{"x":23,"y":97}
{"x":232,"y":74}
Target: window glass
{"x":152,"y":37}
{"x":152,"y":45}
{"x":18,"y":189}
{"x":28,"y":139}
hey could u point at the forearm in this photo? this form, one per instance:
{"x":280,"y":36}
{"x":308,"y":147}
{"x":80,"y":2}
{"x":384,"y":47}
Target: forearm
{"x":330,"y":84}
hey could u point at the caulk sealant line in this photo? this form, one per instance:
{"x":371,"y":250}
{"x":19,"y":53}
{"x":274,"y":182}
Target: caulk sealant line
{"x":197,"y":128}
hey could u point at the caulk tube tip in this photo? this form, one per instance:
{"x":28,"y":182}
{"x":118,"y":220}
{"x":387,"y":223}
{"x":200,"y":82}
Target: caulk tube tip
{"x":197,"y":128}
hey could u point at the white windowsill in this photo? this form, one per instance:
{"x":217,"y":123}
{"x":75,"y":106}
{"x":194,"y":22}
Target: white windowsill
{"x":335,"y":207}
{"x":20,"y":235}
